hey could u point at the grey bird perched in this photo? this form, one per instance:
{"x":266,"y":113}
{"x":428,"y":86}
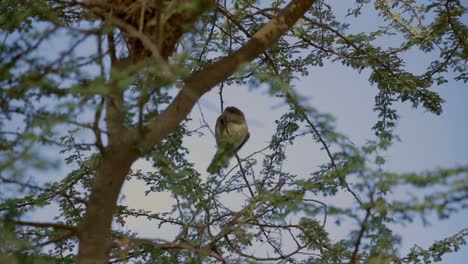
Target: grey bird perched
{"x":231,"y":133}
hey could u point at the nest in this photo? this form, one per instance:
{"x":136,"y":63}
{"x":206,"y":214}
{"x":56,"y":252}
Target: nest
{"x":162,"y":21}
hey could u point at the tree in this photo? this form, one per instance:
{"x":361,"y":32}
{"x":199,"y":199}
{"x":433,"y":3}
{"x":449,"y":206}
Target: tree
{"x":127,"y":79}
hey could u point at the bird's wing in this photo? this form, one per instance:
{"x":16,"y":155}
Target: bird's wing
{"x":243,"y":142}
{"x":219,"y":129}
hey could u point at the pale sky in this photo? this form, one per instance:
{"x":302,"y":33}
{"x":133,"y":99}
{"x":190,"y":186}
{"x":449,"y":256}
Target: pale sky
{"x":428,"y":142}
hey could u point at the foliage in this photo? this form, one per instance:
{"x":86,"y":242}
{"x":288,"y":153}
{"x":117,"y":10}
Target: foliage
{"x":71,"y":70}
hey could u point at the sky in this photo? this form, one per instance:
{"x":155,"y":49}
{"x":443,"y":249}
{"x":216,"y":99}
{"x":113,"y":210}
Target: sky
{"x":427,"y":141}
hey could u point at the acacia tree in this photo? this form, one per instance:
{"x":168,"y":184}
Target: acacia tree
{"x":122,"y":89}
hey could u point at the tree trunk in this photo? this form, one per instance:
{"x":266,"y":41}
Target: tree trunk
{"x":95,"y":231}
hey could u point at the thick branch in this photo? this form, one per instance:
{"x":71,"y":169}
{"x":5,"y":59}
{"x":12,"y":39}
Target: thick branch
{"x":95,"y":229}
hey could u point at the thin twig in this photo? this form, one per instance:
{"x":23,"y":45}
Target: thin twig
{"x":324,"y":208}
{"x":221,"y":87}
{"x":332,"y":160}
{"x":244,"y":176}
{"x":361,"y":233}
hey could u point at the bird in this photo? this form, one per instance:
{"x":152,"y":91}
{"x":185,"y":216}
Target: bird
{"x":231,"y":133}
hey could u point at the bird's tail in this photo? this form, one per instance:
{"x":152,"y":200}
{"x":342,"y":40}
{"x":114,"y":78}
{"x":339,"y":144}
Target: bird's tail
{"x":219,"y":161}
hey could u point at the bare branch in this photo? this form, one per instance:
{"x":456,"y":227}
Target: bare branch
{"x":44,"y":225}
